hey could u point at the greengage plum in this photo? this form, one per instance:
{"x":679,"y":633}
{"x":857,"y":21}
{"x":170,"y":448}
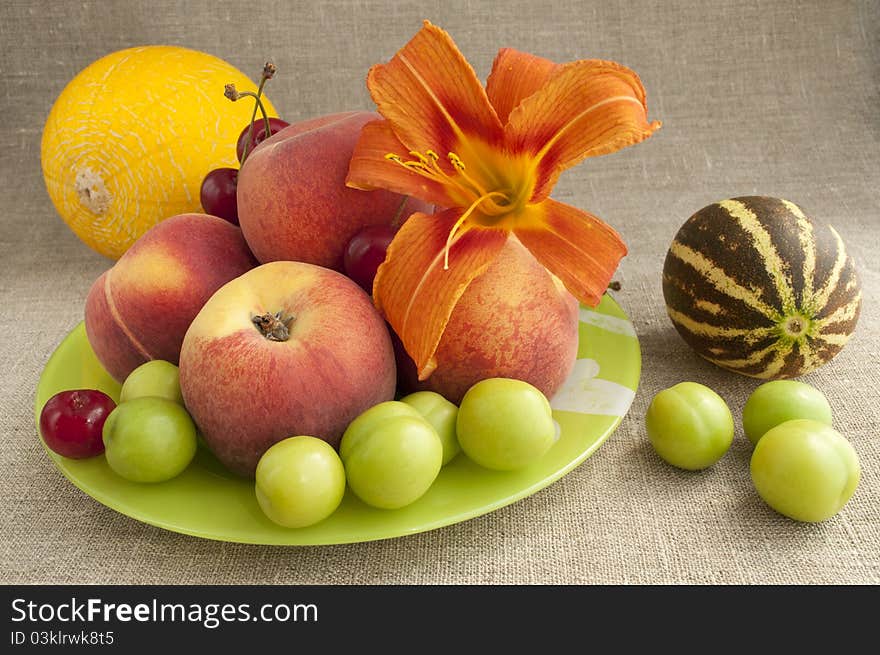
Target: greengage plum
{"x":441,"y":414}
{"x":149,"y":439}
{"x":156,"y":377}
{"x":392,"y":455}
{"x":505,"y":424}
{"x":299,"y":481}
{"x":779,"y":401}
{"x":805,"y":470}
{"x":689,"y":425}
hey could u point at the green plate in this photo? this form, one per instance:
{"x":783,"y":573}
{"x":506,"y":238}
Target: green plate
{"x":206,"y":501}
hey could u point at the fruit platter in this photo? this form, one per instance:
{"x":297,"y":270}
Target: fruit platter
{"x":207,"y":501}
{"x":368,"y":324}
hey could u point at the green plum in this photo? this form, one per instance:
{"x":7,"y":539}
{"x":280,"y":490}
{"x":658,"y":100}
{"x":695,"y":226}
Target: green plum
{"x":805,"y":470}
{"x":779,"y":401}
{"x":505,"y":424}
{"x":299,"y":481}
{"x":149,"y":439}
{"x":440,"y":413}
{"x":391,"y":454}
{"x":689,"y":425}
{"x":154,"y":378}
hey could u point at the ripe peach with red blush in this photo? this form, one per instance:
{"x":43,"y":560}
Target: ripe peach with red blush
{"x":139,"y":309}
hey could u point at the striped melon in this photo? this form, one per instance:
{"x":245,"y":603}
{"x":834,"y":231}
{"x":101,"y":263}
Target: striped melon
{"x":755,"y":286}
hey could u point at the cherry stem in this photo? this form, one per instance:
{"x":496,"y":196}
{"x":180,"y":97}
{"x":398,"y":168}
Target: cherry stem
{"x":231,"y":93}
{"x":257,"y":104}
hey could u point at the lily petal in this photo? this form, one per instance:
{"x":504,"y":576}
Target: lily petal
{"x":589,"y":108}
{"x":577,"y":247}
{"x":515,"y":76}
{"x":369,"y":169}
{"x":432,"y":96}
{"x":414,"y":291}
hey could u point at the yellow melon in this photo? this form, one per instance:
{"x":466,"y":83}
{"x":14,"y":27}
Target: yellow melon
{"x":130,"y":138}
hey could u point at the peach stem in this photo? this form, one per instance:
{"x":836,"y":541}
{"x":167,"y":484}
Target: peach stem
{"x":275,"y":327}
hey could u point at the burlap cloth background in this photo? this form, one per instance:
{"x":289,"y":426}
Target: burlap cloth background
{"x":757,"y":97}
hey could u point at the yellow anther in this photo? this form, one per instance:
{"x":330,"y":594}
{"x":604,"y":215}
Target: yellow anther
{"x":458,"y":180}
{"x":427,"y":166}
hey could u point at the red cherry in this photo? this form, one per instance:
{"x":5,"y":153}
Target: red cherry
{"x":365,"y":252}
{"x":72,"y":422}
{"x":218,"y":194}
{"x":407,"y":373}
{"x":258,"y":135}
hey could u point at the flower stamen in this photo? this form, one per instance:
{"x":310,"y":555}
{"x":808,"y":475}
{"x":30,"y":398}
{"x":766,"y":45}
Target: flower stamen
{"x":491,"y":203}
{"x":428,"y":165}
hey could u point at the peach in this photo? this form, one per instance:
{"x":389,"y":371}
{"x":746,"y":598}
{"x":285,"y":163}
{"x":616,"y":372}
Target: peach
{"x":286,"y":349}
{"x":292,"y":200}
{"x":516,"y":320}
{"x":140,"y":308}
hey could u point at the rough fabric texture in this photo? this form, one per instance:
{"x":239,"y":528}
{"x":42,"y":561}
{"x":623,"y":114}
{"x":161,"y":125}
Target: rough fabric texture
{"x":757,"y":97}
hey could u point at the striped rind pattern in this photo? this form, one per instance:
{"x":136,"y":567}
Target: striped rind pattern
{"x":755,"y":286}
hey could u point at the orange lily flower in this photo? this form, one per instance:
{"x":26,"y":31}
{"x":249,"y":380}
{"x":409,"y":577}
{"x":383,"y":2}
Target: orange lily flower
{"x":490,"y":157}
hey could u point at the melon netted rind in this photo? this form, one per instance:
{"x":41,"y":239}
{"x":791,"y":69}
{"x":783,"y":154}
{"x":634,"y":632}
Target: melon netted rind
{"x":757,"y":287}
{"x":130,"y":138}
